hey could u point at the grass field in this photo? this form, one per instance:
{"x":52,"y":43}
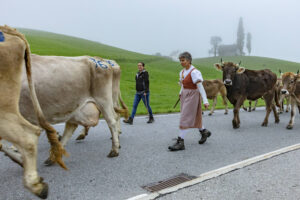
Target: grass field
{"x":163,"y":72}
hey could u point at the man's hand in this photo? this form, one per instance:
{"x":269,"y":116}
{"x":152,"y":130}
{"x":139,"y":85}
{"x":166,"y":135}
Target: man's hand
{"x":206,"y":105}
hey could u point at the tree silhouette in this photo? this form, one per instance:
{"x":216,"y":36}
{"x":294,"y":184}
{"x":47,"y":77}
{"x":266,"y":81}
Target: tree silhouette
{"x":240,"y":37}
{"x":215,"y":41}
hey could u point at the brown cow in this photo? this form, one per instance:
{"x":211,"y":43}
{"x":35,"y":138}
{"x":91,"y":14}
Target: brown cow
{"x":291,"y":86}
{"x":242,"y":84}
{"x":212,"y":89}
{"x":14,"y":49}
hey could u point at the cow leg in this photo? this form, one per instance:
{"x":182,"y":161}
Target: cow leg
{"x":288,"y":100}
{"x":269,"y":106}
{"x":213,"y":106}
{"x":225,"y":103}
{"x":110,"y":117}
{"x":293,"y":109}
{"x":24,"y":136}
{"x":249,"y":109}
{"x":244,"y":107}
{"x":255,"y":104}
{"x":84,"y":132}
{"x":236,"y":118}
{"x":68,"y":132}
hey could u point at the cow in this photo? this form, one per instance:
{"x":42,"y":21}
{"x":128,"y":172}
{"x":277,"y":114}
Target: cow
{"x":212,"y":89}
{"x":291,"y":87}
{"x":75,"y":90}
{"x":281,"y":97}
{"x":14,"y":53}
{"x":242,"y":84}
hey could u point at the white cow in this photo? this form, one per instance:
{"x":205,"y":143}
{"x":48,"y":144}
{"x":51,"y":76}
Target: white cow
{"x":75,"y":90}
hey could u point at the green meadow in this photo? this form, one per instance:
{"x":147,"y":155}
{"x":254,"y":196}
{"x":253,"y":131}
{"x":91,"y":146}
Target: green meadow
{"x":164,"y":73}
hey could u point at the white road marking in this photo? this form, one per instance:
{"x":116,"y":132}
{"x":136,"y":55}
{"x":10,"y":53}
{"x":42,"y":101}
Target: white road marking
{"x":217,"y":172}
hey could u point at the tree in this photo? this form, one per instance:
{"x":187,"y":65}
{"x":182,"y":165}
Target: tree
{"x":215,"y":41}
{"x":240,"y":37}
{"x":248,"y":45}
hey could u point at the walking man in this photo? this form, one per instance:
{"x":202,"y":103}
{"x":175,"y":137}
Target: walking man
{"x":142,"y":92}
{"x":190,"y":99}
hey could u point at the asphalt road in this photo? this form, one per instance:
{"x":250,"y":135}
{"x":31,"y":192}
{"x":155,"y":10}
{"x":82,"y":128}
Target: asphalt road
{"x":144,"y":157}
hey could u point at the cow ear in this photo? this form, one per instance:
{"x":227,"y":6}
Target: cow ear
{"x":240,"y":70}
{"x":218,"y":66}
{"x":297,"y":78}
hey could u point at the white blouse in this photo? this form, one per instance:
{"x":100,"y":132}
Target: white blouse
{"x":196,"y":74}
{"x":196,"y":77}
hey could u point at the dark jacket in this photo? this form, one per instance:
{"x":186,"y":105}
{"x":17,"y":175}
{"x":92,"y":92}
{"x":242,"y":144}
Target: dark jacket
{"x":142,"y":81}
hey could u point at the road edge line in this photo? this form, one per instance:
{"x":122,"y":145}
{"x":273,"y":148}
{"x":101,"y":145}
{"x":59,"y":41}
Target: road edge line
{"x":217,"y":172}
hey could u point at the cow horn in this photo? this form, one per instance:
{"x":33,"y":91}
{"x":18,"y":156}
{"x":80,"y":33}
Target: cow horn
{"x":279,"y":71}
{"x":240,"y":62}
{"x":221,"y":60}
{"x":298,"y":71}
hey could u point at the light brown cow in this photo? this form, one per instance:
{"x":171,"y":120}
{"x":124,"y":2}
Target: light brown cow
{"x":212,"y":89}
{"x":75,"y":90}
{"x":13,"y":127}
{"x":281,"y":96}
{"x":291,"y":86}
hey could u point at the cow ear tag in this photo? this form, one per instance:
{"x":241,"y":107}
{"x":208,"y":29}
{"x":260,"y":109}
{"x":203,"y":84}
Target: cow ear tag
{"x":2,"y":37}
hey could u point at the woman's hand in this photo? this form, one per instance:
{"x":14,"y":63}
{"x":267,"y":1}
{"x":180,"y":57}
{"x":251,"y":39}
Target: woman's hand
{"x":206,"y":105}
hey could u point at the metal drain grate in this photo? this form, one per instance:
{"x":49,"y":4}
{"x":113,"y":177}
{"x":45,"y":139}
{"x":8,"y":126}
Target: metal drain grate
{"x":170,"y":182}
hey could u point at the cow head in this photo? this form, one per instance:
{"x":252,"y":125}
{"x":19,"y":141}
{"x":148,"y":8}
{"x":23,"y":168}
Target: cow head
{"x":289,"y":81}
{"x":229,"y":69}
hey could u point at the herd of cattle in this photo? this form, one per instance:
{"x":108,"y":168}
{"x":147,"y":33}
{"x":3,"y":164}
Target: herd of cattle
{"x":76,"y":90}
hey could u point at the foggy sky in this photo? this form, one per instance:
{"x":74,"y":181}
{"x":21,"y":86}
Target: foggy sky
{"x":150,"y":26}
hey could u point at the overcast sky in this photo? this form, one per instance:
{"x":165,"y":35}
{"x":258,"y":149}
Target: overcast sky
{"x":150,"y":26}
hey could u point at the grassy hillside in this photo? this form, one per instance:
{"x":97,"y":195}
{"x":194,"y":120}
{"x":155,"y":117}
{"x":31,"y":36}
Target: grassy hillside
{"x":163,"y":72}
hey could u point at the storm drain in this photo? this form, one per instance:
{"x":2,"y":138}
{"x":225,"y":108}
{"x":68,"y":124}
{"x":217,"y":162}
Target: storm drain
{"x":170,"y":182}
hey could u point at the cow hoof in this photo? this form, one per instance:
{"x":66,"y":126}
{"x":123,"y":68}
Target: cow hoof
{"x":226,"y":113}
{"x":44,"y":193}
{"x":264,"y":124}
{"x":80,"y":137}
{"x":58,"y":136}
{"x":48,"y":162}
{"x":289,"y":127}
{"x":277,"y":121}
{"x":210,"y":114}
{"x":113,"y":154}
{"x":236,"y":127}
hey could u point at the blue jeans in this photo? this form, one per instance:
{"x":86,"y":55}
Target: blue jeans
{"x":137,"y":99}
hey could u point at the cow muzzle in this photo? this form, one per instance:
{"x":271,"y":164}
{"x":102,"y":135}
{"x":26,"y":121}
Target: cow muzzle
{"x":284,"y":91}
{"x":227,"y":82}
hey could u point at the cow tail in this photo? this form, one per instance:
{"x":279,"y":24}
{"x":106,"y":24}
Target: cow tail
{"x":124,"y":109}
{"x":276,"y":98}
{"x":56,"y":150}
